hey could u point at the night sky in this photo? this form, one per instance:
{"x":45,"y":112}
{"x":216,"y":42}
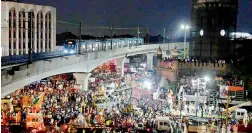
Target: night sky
{"x":155,"y":14}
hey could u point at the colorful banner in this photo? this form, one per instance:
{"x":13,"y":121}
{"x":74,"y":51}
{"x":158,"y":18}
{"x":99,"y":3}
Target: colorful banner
{"x":5,"y":104}
{"x":235,"y":88}
{"x":38,"y":101}
{"x":224,"y":90}
{"x":26,"y":101}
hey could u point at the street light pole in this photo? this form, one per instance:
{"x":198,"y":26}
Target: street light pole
{"x":197,"y":97}
{"x":184,"y":42}
{"x":148,"y":37}
{"x":164,"y":36}
{"x":138,"y":32}
{"x":181,"y":102}
{"x":184,"y":28}
{"x":78,"y":46}
{"x":111,"y":36}
{"x":228,"y":100}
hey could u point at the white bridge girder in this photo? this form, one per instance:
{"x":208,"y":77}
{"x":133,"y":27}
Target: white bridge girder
{"x":81,"y":63}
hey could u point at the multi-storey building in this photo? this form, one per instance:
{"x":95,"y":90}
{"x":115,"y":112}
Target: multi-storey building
{"x":211,"y":23}
{"x":27,"y":26}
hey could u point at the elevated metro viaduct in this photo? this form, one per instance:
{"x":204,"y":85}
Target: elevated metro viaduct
{"x":80,"y":65}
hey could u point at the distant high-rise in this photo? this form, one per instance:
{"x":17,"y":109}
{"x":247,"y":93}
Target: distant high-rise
{"x":211,"y":23}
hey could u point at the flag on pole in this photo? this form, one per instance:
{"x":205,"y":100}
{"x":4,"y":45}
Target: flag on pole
{"x":38,"y":101}
{"x":39,"y":98}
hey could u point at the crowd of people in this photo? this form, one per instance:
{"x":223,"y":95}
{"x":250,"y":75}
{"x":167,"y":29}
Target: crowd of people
{"x":60,"y":102}
{"x":123,"y":105}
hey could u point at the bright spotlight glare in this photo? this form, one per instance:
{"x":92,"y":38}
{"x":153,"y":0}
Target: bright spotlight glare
{"x":72,"y":51}
{"x":147,"y":84}
{"x":182,"y":27}
{"x":65,"y":51}
{"x":206,"y":78}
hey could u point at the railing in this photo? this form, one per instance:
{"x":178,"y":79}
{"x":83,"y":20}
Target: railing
{"x":19,"y":59}
{"x":59,"y":63}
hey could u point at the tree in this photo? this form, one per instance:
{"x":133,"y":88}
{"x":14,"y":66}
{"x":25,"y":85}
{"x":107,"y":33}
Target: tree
{"x":241,"y":65}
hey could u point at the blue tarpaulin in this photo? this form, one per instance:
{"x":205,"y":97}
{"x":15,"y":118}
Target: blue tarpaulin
{"x":151,"y":71}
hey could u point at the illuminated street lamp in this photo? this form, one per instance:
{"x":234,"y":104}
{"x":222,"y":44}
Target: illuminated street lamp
{"x":201,"y":32}
{"x":185,"y":27}
{"x":206,"y":78}
{"x":222,"y":32}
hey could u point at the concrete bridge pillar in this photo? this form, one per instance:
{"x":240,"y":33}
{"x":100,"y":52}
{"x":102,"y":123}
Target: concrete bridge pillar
{"x":82,"y":79}
{"x":150,"y":60}
{"x":120,"y":65}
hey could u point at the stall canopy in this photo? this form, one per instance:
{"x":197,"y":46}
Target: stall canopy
{"x":232,"y":88}
{"x":194,"y":98}
{"x":224,"y":90}
{"x":235,"y":88}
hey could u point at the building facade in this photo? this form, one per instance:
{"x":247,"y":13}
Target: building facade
{"x":27,"y":26}
{"x":211,"y":23}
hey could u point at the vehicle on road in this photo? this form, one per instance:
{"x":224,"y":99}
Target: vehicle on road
{"x":163,"y":124}
{"x":240,"y":113}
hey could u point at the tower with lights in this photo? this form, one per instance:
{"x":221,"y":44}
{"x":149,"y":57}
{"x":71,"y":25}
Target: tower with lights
{"x":211,"y":23}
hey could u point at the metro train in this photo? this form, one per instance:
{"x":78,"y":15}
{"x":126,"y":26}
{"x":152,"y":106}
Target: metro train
{"x":70,"y":46}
